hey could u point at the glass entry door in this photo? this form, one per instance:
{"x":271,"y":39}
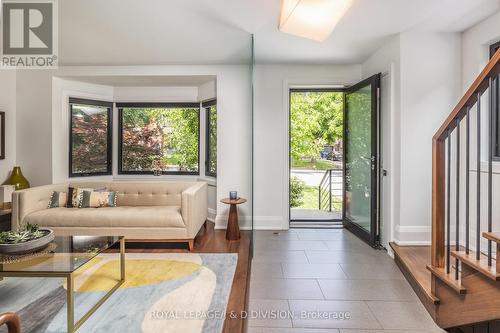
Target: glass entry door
{"x":361,"y":153}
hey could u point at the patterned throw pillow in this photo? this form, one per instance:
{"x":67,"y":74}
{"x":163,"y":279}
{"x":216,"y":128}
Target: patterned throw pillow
{"x":74,"y":195}
{"x":58,"y":199}
{"x":93,"y":199}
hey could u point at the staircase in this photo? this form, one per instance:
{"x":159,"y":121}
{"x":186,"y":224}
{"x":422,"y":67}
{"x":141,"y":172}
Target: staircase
{"x":465,"y":272}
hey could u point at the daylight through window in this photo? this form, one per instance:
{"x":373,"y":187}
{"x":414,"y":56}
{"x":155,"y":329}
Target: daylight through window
{"x":90,"y":139}
{"x":159,"y":138}
{"x":211,"y":142}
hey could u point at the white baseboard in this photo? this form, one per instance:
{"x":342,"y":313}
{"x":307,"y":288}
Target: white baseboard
{"x":403,"y":236}
{"x":412,"y":243}
{"x":412,"y":235}
{"x":268,"y":223}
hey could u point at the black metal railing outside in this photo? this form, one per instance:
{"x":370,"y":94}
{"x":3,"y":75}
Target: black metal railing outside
{"x":325,"y":201}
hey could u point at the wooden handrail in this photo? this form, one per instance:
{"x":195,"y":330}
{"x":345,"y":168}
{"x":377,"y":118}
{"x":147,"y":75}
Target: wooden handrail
{"x":492,"y":69}
{"x":12,"y":321}
{"x":479,"y":86}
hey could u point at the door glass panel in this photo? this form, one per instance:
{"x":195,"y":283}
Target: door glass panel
{"x":358,"y":164}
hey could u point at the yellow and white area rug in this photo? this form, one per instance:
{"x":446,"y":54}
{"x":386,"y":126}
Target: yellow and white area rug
{"x":163,"y":292}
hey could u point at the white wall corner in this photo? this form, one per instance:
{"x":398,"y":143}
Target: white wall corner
{"x":412,"y":235}
{"x":207,"y":91}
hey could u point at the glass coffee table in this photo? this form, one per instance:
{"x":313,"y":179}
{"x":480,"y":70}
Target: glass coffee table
{"x":63,"y":258}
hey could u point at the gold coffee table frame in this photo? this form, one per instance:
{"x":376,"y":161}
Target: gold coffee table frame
{"x":70,"y":295}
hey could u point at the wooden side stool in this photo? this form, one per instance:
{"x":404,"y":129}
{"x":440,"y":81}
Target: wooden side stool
{"x":233,"y":229}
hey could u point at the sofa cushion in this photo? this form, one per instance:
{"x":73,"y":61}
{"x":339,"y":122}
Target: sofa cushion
{"x":95,"y":199}
{"x":143,"y":193}
{"x":165,"y":216}
{"x":58,"y":199}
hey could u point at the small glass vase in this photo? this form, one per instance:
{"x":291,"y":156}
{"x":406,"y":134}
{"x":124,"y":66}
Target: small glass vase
{"x":17,"y":179}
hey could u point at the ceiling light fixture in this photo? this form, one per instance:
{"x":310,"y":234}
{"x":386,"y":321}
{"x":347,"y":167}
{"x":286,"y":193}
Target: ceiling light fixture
{"x":313,"y":19}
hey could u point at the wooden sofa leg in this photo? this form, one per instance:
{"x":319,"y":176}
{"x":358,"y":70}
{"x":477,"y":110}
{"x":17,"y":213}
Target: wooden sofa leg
{"x":191,"y":245}
{"x":12,"y":320}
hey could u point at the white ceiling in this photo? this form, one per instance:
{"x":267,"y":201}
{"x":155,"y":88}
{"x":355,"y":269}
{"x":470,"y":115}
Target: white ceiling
{"x":132,"y":32}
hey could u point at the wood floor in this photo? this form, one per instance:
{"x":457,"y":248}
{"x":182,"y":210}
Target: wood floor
{"x":210,"y":240}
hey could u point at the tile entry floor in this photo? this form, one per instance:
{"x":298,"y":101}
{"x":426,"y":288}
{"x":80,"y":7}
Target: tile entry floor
{"x":329,"y":281}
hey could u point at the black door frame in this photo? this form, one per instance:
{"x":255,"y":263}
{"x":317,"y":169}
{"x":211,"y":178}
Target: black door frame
{"x":373,"y":237}
{"x":290,"y":91}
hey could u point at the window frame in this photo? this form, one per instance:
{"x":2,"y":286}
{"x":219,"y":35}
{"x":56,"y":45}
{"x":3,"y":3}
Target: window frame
{"x":496,"y":126}
{"x":121,"y":106}
{"x":493,"y":48}
{"x":109,"y":150}
{"x":207,"y":105}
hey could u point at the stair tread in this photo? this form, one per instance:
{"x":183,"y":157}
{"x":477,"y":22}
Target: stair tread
{"x":447,"y":278}
{"x":493,"y":236}
{"x":412,"y":261}
{"x":480,"y":265}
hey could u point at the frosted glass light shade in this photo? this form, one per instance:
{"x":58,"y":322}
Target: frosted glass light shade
{"x":313,"y":19}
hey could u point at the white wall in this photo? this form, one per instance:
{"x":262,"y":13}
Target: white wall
{"x":387,"y":61}
{"x":476,"y":42}
{"x":34,"y":98}
{"x":271,"y":84}
{"x":155,"y":94}
{"x":475,"y":55}
{"x":475,"y":48}
{"x":207,"y":91}
{"x":8,"y":105}
{"x":433,"y":71}
{"x":34,"y":125}
{"x":62,"y":90}
{"x":424,"y":85}
{"x":430,"y":88}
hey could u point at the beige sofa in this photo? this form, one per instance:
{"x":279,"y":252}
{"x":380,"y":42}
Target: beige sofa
{"x":166,"y":211}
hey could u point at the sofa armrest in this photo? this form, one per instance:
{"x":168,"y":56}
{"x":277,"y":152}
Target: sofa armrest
{"x":31,"y":200}
{"x":194,"y":207}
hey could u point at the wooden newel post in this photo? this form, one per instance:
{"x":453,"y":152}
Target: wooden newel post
{"x":438,"y":202}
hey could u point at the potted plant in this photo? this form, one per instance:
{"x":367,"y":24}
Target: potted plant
{"x":30,"y":239}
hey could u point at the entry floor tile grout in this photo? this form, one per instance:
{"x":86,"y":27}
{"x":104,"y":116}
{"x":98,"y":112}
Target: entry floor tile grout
{"x":342,"y":269}
{"x":373,"y":314}
{"x":331,"y":278}
{"x":320,"y":289}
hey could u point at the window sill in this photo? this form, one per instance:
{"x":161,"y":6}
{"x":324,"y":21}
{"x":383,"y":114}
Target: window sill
{"x":149,"y":177}
{"x":212,"y":181}
{"x":90,"y":178}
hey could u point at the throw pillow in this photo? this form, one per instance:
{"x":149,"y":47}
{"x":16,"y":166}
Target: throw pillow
{"x":58,"y":199}
{"x":74,"y":194}
{"x":93,"y":199}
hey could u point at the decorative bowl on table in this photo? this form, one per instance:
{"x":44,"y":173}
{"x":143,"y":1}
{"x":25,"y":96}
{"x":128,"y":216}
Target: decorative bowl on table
{"x":28,"y":240}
